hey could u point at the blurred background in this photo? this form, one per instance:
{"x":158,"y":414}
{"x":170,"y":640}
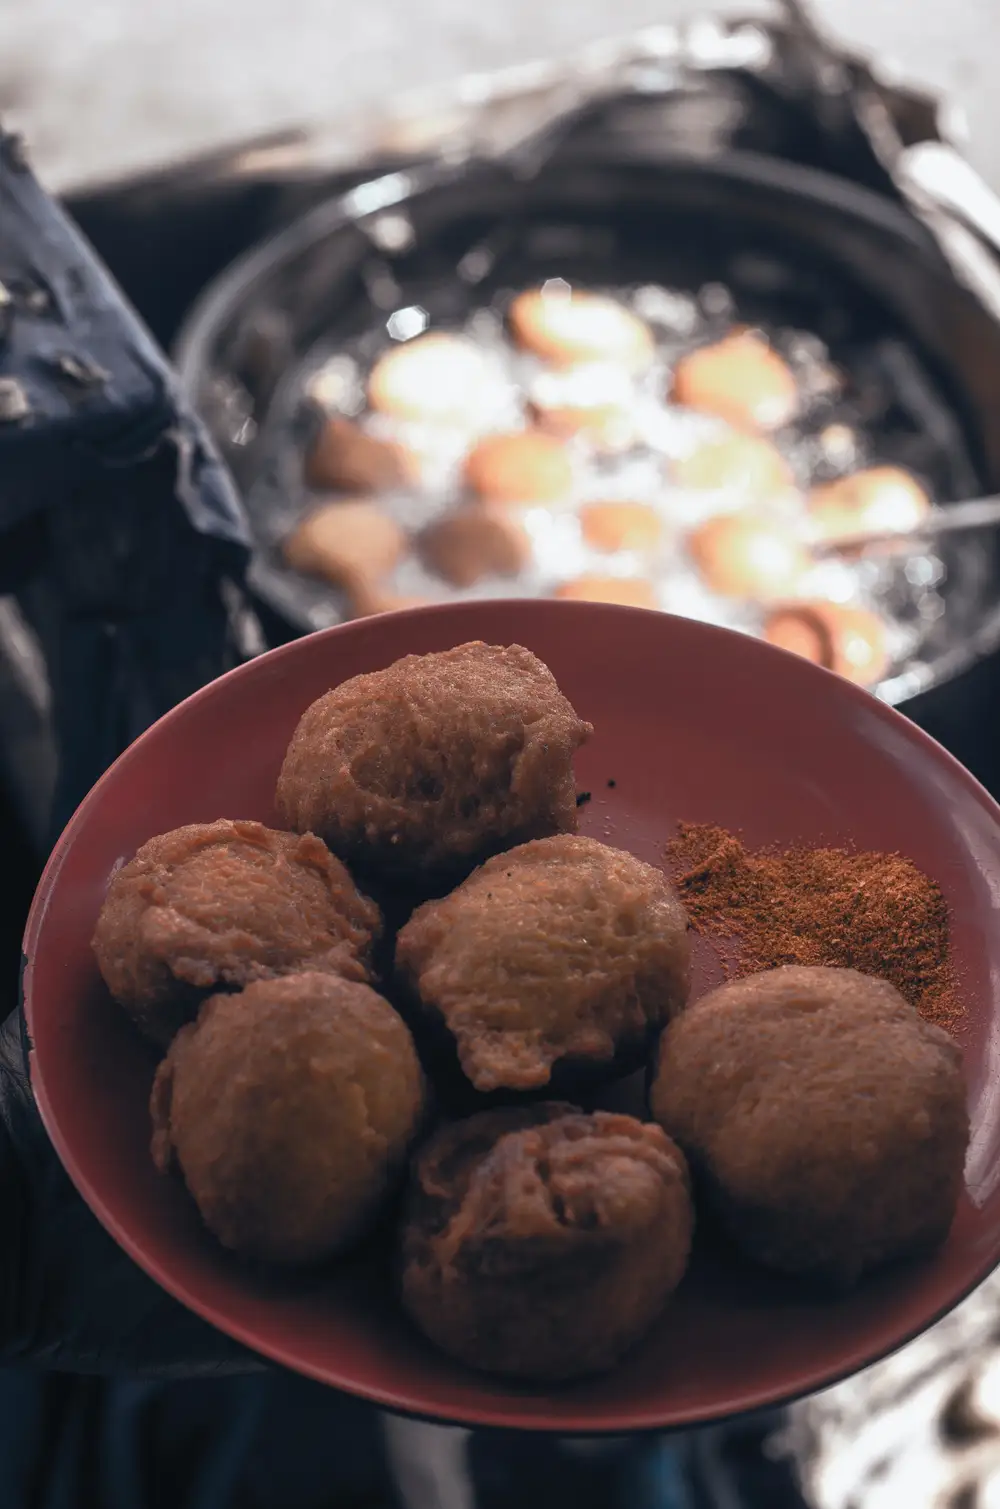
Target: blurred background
{"x":104,"y":87}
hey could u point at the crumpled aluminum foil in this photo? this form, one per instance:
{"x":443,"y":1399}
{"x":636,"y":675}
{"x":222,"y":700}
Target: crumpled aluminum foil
{"x":913,"y":131}
{"x":920,"y":1430}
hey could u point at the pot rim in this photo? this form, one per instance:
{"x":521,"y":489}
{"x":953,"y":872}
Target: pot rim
{"x":235,"y":286}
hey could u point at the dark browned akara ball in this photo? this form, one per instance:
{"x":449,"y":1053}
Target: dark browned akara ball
{"x":561,"y":950}
{"x":424,"y":769}
{"x":217,"y":905}
{"x":826,"y":1118}
{"x":289,"y":1110}
{"x":542,"y":1242}
{"x":475,"y":542}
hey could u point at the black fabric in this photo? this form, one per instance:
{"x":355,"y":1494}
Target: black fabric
{"x":121,"y":530}
{"x":97,"y":390}
{"x":270,"y":1441}
{"x":70,"y":1299}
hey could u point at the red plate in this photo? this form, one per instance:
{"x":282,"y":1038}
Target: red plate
{"x":691,"y":722}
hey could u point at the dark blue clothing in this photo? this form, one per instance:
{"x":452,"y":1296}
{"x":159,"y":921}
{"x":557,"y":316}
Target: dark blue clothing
{"x":269,"y":1441}
{"x":274,"y":1441}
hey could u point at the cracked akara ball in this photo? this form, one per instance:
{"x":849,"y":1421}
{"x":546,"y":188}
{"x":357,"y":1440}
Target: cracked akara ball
{"x":543,"y":1242}
{"x":742,"y":379}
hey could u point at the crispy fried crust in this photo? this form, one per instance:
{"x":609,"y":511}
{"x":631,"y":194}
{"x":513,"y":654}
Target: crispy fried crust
{"x":542,"y":1242}
{"x":217,"y":905}
{"x":562,"y":949}
{"x":289,"y":1109}
{"x":427,"y":767}
{"x":826,"y":1118}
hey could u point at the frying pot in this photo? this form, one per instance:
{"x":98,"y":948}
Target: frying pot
{"x":619,"y":204}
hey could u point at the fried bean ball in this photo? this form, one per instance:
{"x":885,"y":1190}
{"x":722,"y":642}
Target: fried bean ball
{"x":618,"y":525}
{"x":746,"y":466}
{"x":565,"y":326}
{"x":214,"y":906}
{"x":740,"y":378}
{"x":542,"y":1243}
{"x":289,"y":1110}
{"x":343,"y":458}
{"x":346,"y":543}
{"x":473,"y":543}
{"x":596,"y":400}
{"x":825,"y":1117}
{"x":746,"y":555}
{"x":424,"y":769}
{"x":850,"y":640}
{"x":561,"y":952}
{"x":525,"y":466}
{"x":880,"y":500}
{"x":436,"y":378}
{"x":627,"y":591}
{"x":607,"y":431}
{"x":368,"y":599}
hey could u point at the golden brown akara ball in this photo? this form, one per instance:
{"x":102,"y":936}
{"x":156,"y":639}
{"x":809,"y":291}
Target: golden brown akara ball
{"x":565,"y":326}
{"x":349,"y":543}
{"x":749,"y":555}
{"x":368,"y":598}
{"x":746,"y":466}
{"x":437,"y":378}
{"x":346,"y":458}
{"x":596,"y":401}
{"x":825,"y":1118}
{"x":424,"y":769}
{"x":289,"y":1110}
{"x":607,"y":430}
{"x":621,"y":525}
{"x":742,"y":379}
{"x":560,"y":952}
{"x":520,"y":467}
{"x":878,"y":500}
{"x":214,"y":906}
{"x":542,"y":1242}
{"x":842,"y":637}
{"x":464,"y":547}
{"x":625,"y":591}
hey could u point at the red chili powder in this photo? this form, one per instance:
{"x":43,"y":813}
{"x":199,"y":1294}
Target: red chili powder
{"x":876,"y":913}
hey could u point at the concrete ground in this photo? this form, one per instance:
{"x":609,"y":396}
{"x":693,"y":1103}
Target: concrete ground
{"x":104,"y":87}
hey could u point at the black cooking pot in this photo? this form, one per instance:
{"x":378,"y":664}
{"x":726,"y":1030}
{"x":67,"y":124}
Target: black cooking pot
{"x":797,"y":245}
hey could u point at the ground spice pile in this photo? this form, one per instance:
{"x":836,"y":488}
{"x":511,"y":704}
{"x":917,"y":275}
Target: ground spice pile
{"x":873,"y":912}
